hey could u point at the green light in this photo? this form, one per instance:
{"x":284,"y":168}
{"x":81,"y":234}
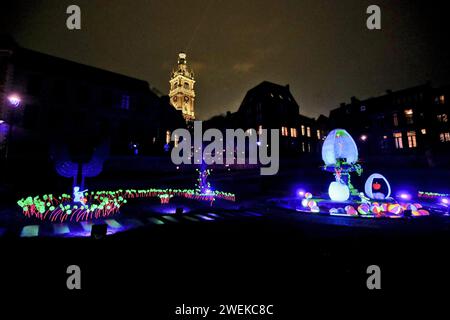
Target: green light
{"x":113,"y":223}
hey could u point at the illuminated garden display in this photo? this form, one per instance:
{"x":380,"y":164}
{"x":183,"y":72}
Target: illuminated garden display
{"x":101,"y":204}
{"x":340,"y":155}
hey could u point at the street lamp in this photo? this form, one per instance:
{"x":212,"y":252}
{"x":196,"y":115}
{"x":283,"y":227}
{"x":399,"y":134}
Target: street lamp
{"x":14,"y":100}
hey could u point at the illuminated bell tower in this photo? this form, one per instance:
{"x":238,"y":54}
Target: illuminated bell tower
{"x":181,"y":93}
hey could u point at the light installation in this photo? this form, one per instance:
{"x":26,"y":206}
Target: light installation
{"x":101,"y":204}
{"x":340,"y":156}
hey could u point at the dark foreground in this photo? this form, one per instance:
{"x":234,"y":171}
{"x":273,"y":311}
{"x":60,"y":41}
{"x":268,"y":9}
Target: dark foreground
{"x":279,"y":258}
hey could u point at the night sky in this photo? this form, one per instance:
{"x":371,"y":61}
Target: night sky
{"x":321,"y":48}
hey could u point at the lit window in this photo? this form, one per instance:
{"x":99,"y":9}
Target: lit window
{"x":303,"y":130}
{"x":167,"y":136}
{"x":294,"y":132}
{"x":442,"y":117}
{"x":409,"y":116}
{"x":284,"y":131}
{"x":424,"y":131}
{"x":260,"y":129}
{"x":308,"y":131}
{"x":395,"y":119}
{"x":125,"y":102}
{"x":398,"y":140}
{"x":176,"y":141}
{"x":303,"y":146}
{"x":318,"y":134}
{"x":412,"y":143}
{"x":309,"y":147}
{"x":441,"y":99}
{"x":445,"y":136}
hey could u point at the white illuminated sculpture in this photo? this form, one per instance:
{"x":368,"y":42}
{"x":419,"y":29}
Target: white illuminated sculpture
{"x":339,"y":152}
{"x":78,"y":196}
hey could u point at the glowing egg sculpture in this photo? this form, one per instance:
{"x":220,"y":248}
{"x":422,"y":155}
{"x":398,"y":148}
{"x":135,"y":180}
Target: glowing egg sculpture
{"x":339,"y":144}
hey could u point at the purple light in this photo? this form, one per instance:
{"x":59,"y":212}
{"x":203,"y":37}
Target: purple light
{"x":363,"y":137}
{"x":14,"y":100}
{"x":444,"y":200}
{"x":301,"y":193}
{"x":405,"y":196}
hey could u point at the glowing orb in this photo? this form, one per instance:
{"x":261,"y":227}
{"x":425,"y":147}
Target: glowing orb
{"x":395,"y":208}
{"x":312,"y":203}
{"x":364,"y":209}
{"x":338,"y":191}
{"x":423,"y":212}
{"x":305,"y":203}
{"x":350,"y":210}
{"x":376,"y":209}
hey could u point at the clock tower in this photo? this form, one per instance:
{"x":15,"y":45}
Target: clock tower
{"x":181,"y":93}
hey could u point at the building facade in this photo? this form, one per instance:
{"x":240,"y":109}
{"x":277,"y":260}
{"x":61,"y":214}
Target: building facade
{"x":409,"y":121}
{"x":272,"y":106}
{"x":48,"y":101}
{"x":181,"y":92}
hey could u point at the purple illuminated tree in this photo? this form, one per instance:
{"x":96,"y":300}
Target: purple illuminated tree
{"x":79,"y":170}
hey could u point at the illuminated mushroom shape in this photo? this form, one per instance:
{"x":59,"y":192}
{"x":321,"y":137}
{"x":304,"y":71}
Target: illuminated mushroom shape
{"x":339,"y":144}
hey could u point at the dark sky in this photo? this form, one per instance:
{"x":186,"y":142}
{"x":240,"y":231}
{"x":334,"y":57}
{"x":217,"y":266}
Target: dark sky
{"x":321,"y":48}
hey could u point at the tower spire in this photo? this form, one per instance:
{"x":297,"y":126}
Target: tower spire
{"x":181,"y":91}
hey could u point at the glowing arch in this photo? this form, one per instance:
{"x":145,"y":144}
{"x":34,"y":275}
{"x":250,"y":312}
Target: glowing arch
{"x":368,"y":185}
